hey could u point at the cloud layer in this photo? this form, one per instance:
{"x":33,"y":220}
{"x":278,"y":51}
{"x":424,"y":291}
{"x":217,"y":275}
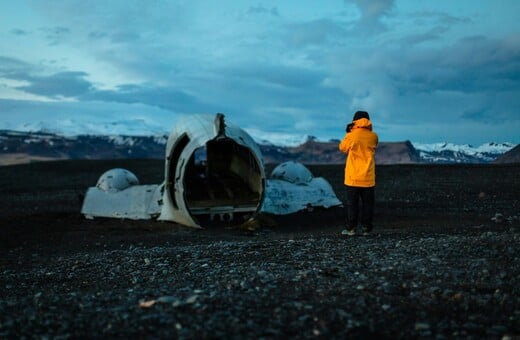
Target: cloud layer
{"x":425,"y":74}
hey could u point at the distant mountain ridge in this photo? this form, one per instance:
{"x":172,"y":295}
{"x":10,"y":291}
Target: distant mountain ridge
{"x":20,"y":147}
{"x":315,"y":152}
{"x":511,"y":156}
{"x":453,"y":153}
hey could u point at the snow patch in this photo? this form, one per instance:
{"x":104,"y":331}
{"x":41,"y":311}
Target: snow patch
{"x":492,"y":148}
{"x":72,"y":127}
{"x":279,"y":139}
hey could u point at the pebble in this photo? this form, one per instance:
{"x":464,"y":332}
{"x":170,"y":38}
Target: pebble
{"x":422,"y":326}
{"x":167,"y":299}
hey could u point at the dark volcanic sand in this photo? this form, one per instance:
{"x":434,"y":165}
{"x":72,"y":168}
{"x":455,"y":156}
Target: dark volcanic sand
{"x":436,"y":265}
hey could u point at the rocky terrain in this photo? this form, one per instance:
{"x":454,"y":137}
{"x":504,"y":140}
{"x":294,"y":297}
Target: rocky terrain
{"x":443,"y":262}
{"x":512,"y":156}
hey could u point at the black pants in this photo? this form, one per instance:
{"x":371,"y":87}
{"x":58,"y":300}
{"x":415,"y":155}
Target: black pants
{"x":354,"y":196}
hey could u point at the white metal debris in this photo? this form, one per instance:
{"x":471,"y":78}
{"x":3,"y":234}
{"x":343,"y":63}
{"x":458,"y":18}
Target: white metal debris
{"x":293,"y":188}
{"x":119,"y":195}
{"x":214,"y":174}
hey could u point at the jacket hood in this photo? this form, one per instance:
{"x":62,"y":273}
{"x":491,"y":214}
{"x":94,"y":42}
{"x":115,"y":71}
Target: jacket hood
{"x":362,"y":123}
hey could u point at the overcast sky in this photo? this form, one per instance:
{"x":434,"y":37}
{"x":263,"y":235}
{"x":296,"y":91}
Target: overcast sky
{"x":426,"y":71}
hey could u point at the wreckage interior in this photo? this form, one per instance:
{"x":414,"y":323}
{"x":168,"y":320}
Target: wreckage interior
{"x":223,"y":183}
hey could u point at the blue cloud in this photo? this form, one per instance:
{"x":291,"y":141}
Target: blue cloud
{"x":372,"y":14}
{"x":63,"y":84}
{"x":285,"y":76}
{"x":471,"y":65}
{"x":287,"y":67}
{"x":19,"y":32}
{"x":261,"y":10}
{"x":168,"y":98}
{"x":10,"y":67}
{"x":56,"y":35}
{"x":322,"y":32}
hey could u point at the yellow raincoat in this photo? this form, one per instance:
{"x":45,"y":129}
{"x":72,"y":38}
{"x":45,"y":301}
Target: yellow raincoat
{"x":360,"y":146}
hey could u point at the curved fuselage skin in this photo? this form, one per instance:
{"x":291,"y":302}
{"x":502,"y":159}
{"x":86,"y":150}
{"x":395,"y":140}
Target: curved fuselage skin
{"x":214,"y":173}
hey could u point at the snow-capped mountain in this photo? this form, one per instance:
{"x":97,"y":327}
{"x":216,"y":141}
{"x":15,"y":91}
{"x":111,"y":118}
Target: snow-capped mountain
{"x":435,"y":152}
{"x":21,"y":147}
{"x":72,"y":139}
{"x":453,"y":153}
{"x":73,"y":127}
{"x":138,"y":127}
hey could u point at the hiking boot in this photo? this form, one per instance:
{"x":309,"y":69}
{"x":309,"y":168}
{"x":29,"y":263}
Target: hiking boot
{"x":346,"y":232}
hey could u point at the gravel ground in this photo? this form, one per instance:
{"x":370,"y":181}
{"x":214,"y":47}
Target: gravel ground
{"x":268,"y":284}
{"x":421,"y":274}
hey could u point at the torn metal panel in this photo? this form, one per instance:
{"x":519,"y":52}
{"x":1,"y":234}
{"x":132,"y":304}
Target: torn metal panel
{"x":293,"y":188}
{"x":118,"y":194}
{"x":138,"y":202}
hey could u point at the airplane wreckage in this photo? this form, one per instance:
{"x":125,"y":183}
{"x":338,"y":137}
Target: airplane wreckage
{"x":213,"y":175}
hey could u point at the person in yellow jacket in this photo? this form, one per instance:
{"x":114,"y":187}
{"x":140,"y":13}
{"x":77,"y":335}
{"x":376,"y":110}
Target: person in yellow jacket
{"x":360,"y":145}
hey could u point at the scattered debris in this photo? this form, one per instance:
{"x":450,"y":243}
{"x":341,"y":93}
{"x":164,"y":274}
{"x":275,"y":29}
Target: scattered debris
{"x":214,"y":176}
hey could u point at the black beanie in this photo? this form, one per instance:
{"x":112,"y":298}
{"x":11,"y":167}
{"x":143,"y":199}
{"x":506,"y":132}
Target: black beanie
{"x":360,"y":114}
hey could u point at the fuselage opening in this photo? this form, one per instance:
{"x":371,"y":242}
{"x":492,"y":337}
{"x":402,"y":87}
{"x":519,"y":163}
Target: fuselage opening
{"x":223,"y":183}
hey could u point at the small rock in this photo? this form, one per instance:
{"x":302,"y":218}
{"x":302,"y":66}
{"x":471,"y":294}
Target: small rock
{"x":422,"y":326}
{"x":498,"y":218}
{"x":192,"y":299}
{"x":167,"y":299}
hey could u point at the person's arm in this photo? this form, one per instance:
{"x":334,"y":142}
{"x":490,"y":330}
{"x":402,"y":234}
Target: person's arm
{"x":344,"y":145}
